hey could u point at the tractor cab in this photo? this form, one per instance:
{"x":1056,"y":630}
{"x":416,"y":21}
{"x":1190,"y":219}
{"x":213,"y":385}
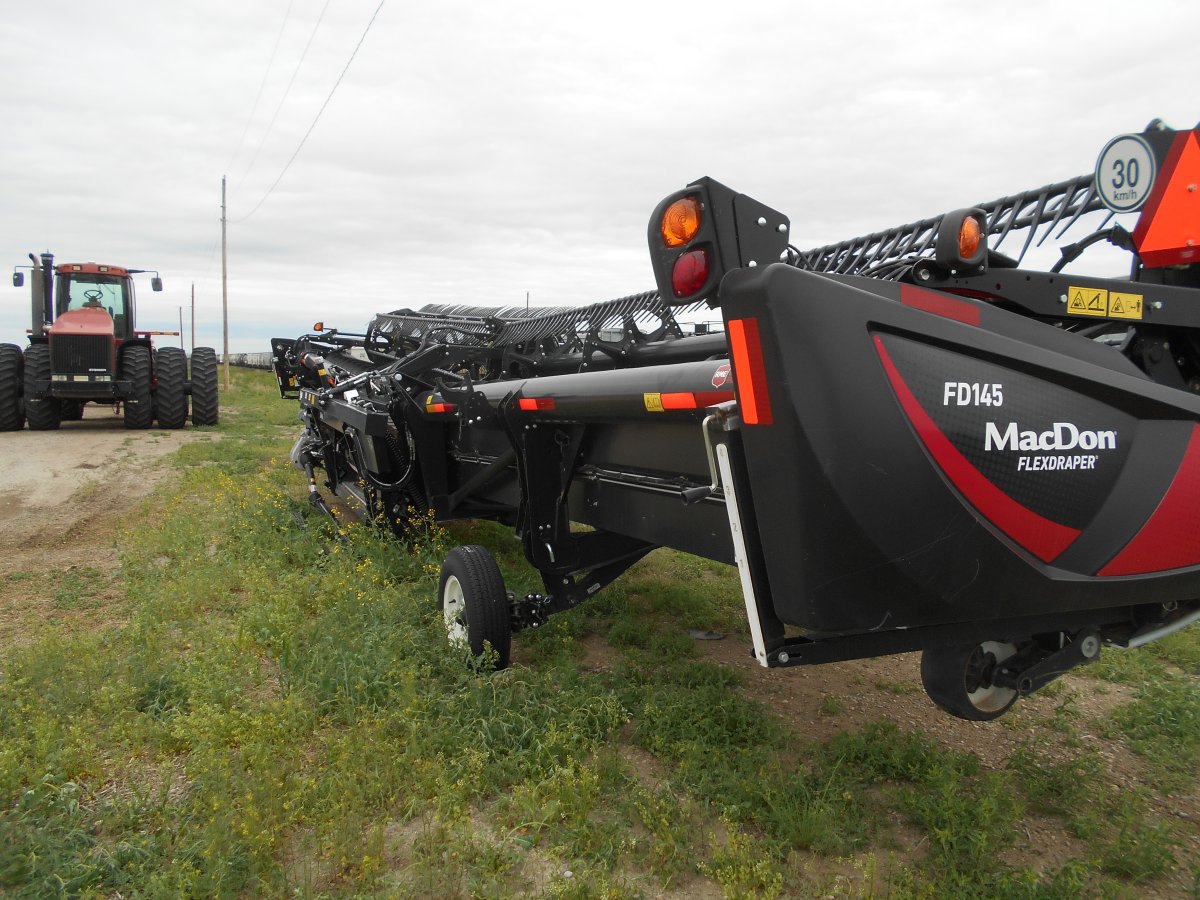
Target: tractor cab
{"x":96,"y":291}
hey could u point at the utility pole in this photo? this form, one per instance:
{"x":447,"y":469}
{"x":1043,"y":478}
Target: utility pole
{"x":527,"y":301}
{"x":193,"y":317}
{"x":181,"y":347}
{"x":224,"y":285}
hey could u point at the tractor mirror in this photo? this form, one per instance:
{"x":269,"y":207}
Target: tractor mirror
{"x":156,"y":283}
{"x":18,"y":279}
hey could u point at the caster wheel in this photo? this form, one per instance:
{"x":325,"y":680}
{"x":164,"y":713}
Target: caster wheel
{"x":959,"y":680}
{"x":475,"y":604}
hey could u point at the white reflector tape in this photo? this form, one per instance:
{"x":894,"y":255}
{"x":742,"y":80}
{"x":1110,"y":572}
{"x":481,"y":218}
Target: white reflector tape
{"x":739,"y":553}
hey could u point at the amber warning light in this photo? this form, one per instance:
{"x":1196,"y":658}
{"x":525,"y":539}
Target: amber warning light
{"x":969,"y":235}
{"x":680,"y":222}
{"x":961,"y":241}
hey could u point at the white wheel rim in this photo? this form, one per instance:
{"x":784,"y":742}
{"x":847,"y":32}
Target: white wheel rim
{"x":993,"y":699}
{"x":454,"y":611}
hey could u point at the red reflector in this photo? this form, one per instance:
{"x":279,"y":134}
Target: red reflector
{"x":939,"y":304}
{"x":440,"y":407}
{"x":1168,"y":231}
{"x":690,"y":272}
{"x":531,"y":404}
{"x":750,"y":372}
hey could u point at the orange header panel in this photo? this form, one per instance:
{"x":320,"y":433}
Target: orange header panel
{"x":1168,"y":231}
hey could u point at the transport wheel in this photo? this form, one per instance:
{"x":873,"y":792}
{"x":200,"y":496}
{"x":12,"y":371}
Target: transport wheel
{"x":43,"y":413}
{"x":71,"y":410}
{"x":474,"y":603}
{"x":170,"y":394}
{"x":135,"y":368}
{"x":204,"y":386}
{"x":959,"y":680}
{"x":12,"y":408}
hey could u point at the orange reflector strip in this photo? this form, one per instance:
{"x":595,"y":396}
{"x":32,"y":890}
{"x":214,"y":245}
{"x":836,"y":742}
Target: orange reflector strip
{"x":696,"y":400}
{"x":440,"y":408}
{"x":532,"y":404}
{"x":750,"y":372}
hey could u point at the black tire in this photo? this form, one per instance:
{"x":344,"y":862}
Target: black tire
{"x":12,"y":407}
{"x":43,"y":413}
{"x":959,"y":680}
{"x":474,"y":603}
{"x":205,"y":406}
{"x":71,"y":410}
{"x":170,"y":394}
{"x":139,"y":403}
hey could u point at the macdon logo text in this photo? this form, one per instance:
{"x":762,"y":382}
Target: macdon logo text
{"x":1060,"y":436}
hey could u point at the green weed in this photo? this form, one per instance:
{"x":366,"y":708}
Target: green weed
{"x":1163,"y":725}
{"x":277,"y":713}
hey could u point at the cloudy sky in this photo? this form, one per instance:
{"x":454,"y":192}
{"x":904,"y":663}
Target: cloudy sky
{"x":476,"y":151}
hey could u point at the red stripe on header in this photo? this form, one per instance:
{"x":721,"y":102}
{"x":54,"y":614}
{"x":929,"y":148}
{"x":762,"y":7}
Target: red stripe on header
{"x":1040,"y":536}
{"x":1170,"y":539}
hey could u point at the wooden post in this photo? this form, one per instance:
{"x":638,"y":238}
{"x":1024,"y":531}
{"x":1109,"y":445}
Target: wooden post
{"x":193,"y":317}
{"x":224,"y":286}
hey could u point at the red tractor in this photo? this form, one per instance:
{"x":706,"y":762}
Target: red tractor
{"x":84,"y":347}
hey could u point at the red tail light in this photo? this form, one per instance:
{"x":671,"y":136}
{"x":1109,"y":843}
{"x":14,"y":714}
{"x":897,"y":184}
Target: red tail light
{"x":690,"y":272}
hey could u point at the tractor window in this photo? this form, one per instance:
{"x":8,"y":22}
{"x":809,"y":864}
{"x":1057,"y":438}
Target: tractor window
{"x":83,"y":289}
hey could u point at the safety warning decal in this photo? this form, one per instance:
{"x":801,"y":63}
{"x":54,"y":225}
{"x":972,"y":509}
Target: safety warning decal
{"x":653,"y":402}
{"x":721,"y":376}
{"x":1088,"y":301}
{"x":1124,"y":306}
{"x":1083,"y":301}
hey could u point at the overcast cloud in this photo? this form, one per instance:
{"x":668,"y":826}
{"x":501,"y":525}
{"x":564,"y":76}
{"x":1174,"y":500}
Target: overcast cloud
{"x":476,"y":151}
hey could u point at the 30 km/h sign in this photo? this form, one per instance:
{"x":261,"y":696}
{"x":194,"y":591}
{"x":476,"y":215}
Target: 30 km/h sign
{"x":1125,"y":173}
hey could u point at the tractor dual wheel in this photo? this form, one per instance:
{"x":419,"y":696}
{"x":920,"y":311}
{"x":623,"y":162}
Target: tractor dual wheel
{"x":44,"y":412}
{"x":12,"y":407}
{"x":170,"y":394}
{"x":205,"y":409}
{"x":959,"y":680}
{"x":139,"y":403}
{"x":475,"y":604}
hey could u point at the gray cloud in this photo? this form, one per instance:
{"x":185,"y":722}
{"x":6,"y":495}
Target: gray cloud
{"x":474,"y":152}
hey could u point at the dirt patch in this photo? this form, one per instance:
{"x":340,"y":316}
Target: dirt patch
{"x":66,"y":495}
{"x":821,"y":701}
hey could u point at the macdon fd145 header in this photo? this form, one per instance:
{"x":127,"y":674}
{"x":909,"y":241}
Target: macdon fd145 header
{"x":905,"y":441}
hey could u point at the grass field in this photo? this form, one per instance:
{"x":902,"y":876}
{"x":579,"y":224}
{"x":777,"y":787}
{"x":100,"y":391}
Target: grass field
{"x":260,"y":710}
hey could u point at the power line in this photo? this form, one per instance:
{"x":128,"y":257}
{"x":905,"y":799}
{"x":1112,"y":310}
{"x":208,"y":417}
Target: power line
{"x":286,"y":91}
{"x":262,"y":84}
{"x":333,"y":90}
